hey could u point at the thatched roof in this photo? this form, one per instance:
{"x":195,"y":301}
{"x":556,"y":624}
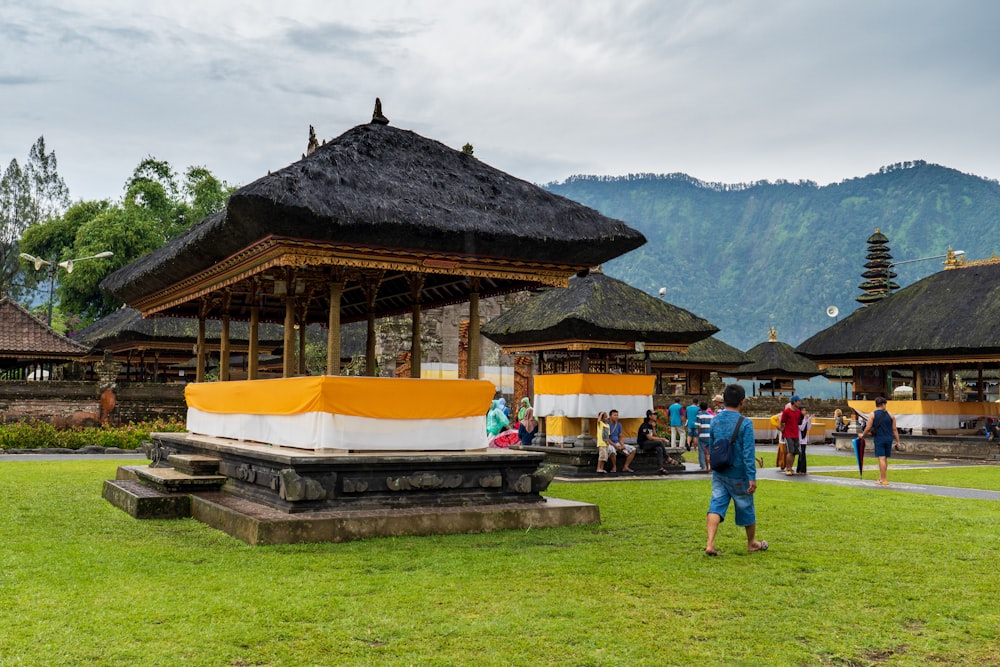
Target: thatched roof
{"x":379,"y":191}
{"x":776,"y":360}
{"x":126,"y":328}
{"x":23,"y":336}
{"x":708,"y":352}
{"x":949,"y":316}
{"x":596,"y":308}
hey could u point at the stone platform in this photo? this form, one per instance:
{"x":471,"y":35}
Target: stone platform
{"x":941,"y":446}
{"x":581,"y":461}
{"x":265,"y":494}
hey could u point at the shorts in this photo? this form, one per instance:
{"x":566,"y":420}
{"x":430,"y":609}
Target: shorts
{"x":791,"y":446}
{"x":626,"y":450}
{"x":602,"y":454}
{"x":884,"y":449}
{"x":725,"y":489}
{"x":693,"y":431}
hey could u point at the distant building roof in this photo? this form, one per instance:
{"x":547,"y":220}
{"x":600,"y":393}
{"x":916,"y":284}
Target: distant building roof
{"x":24,"y":336}
{"x":776,"y":360}
{"x":596,"y":311}
{"x":948,"y":317}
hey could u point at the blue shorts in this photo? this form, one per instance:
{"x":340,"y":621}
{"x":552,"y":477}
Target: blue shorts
{"x":693,"y":431}
{"x":725,"y":489}
{"x":884,"y":448}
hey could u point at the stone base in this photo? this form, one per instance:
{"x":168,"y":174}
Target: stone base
{"x":941,"y":446}
{"x":270,"y":495}
{"x":258,"y":524}
{"x":582,"y":461}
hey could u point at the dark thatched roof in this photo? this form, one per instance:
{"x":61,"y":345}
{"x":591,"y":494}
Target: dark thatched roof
{"x":126,"y":325}
{"x":597,"y":307}
{"x":952,"y":314}
{"x":379,"y":187}
{"x":24,"y":336}
{"x":126,"y":329}
{"x":777,"y":360}
{"x":710,"y":351}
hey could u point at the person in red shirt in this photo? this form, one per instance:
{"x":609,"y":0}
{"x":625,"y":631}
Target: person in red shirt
{"x":790,"y":432}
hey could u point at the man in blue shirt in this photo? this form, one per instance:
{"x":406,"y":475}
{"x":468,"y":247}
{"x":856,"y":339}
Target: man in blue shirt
{"x":692,"y":424}
{"x":676,"y":424}
{"x":738,"y":482}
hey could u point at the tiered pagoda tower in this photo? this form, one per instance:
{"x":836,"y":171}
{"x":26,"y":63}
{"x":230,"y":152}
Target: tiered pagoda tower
{"x":878,"y":277}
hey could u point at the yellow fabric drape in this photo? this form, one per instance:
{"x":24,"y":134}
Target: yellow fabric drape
{"x":377,"y":398}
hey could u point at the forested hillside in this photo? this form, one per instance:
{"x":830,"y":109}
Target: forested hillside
{"x":746,"y":256}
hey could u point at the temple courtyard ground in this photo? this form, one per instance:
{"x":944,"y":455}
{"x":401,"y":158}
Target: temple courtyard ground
{"x":855,"y":575}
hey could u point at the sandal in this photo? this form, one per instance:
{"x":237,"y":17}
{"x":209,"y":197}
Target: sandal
{"x":762,"y":546}
{"x":713,"y":552}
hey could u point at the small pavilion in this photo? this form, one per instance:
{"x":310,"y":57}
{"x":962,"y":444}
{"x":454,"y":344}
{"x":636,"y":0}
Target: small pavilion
{"x":915,"y":342}
{"x":378,"y":221}
{"x":593,"y":341}
{"x":689,"y":373}
{"x":156,"y":349}
{"x":29,"y":348}
{"x":776,"y":366}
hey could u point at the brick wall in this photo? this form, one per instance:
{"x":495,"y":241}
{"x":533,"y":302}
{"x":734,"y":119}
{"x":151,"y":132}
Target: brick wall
{"x":77,"y":403}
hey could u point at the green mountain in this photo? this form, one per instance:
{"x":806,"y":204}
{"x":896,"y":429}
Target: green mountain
{"x":751,"y":255}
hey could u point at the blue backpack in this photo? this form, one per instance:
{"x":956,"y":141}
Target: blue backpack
{"x":720,"y":454}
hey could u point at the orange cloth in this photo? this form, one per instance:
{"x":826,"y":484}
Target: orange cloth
{"x":377,"y":398}
{"x":594,"y":383}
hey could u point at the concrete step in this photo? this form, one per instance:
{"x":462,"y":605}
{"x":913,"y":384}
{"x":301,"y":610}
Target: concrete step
{"x":171,"y":480}
{"x":195,"y":464}
{"x":143,"y":502}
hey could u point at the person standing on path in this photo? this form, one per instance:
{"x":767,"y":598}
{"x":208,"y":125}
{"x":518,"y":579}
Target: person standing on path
{"x":804,"y":426}
{"x":692,"y":424}
{"x":790,"y":432}
{"x":676,"y":424}
{"x":882,"y":426}
{"x":737,"y":483}
{"x":704,"y":424}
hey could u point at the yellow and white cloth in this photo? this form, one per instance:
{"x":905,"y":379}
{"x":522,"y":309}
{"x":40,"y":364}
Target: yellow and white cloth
{"x":922,"y":415}
{"x":345,"y":413}
{"x":586,"y":394}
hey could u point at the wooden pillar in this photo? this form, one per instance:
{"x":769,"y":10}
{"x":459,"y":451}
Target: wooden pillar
{"x":370,"y":283}
{"x":585,"y":362}
{"x":224,"y":348}
{"x":302,"y":343}
{"x":918,"y":383}
{"x":156,"y":366}
{"x":333,"y":328}
{"x":416,"y":289}
{"x":951,"y":382}
{"x":474,"y":338}
{"x":288,"y":366}
{"x":199,"y":367}
{"x":979,"y":384}
{"x":253,"y":354}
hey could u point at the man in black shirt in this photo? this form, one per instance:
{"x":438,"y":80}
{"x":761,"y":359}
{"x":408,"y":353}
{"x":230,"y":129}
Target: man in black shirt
{"x":647,"y":440}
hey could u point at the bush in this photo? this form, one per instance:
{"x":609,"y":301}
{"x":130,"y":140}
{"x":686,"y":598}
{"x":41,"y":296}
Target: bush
{"x":42,"y":435}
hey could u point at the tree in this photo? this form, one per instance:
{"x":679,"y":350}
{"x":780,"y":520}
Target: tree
{"x":28,"y":196}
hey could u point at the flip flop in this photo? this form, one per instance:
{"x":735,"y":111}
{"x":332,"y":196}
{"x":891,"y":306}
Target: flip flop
{"x":711,"y":553}
{"x":763,"y":547}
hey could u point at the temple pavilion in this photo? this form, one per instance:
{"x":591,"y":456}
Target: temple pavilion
{"x":378,"y":221}
{"x":913,"y":344}
{"x":31,"y":349}
{"x":774,"y":367}
{"x":593,"y":341}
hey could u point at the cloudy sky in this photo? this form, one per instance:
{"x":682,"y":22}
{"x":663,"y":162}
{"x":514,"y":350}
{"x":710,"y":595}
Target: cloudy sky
{"x":728,"y":91}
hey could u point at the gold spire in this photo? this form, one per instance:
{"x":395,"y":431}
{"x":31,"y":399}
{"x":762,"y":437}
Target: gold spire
{"x":772,"y":335}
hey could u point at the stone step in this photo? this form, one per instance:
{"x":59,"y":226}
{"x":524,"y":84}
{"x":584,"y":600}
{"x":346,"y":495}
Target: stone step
{"x":195,"y":464}
{"x":171,"y":480}
{"x":143,"y":502}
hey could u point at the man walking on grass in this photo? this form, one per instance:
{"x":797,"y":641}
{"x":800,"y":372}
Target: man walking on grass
{"x":737,"y":483}
{"x":790,"y":432}
{"x":882,"y":425}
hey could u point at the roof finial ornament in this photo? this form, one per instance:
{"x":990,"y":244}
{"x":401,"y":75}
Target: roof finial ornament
{"x":313,"y":144}
{"x":377,"y":117}
{"x":772,"y":335}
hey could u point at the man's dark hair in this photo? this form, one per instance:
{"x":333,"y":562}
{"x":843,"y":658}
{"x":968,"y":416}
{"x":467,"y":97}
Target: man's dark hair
{"x":612,"y":412}
{"x":703,"y":405}
{"x":733,"y":395}
{"x":880,"y":400}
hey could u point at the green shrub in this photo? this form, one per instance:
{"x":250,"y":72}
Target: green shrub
{"x":42,"y":435}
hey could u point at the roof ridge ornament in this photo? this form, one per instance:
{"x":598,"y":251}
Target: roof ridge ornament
{"x":772,"y":335}
{"x":313,"y":144}
{"x":377,"y":117}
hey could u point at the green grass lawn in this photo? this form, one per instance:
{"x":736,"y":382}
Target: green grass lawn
{"x":854,"y":576}
{"x":972,"y":477}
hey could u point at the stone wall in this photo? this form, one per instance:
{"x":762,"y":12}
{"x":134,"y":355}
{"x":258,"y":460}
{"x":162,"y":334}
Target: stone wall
{"x":78,"y":403}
